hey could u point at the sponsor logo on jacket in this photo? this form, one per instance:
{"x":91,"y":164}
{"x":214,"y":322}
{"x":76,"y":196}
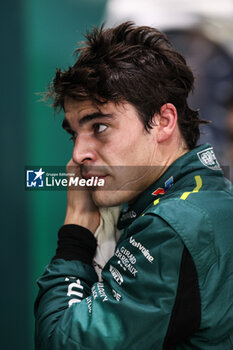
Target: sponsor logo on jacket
{"x":207,"y":157}
{"x":74,"y":289}
{"x":116,"y":275}
{"x":167,"y":184}
{"x":126,"y":260}
{"x":129,"y":215}
{"x":144,"y":251}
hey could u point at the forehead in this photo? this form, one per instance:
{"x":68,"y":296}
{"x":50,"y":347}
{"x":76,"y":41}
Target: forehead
{"x":78,"y":109}
{"x":72,"y":106}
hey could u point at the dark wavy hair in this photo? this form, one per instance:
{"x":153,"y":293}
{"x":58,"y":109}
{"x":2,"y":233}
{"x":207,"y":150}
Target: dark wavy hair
{"x":133,"y":64}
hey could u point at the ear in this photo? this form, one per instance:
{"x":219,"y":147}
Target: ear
{"x":166,"y":121}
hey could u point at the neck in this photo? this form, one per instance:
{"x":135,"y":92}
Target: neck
{"x":168,"y":153}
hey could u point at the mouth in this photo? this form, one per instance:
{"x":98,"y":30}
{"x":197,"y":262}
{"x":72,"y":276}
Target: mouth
{"x":87,"y":176}
{"x":99,"y":172}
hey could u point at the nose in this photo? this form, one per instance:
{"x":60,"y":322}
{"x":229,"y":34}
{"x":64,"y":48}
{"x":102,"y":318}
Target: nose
{"x":84,"y":150}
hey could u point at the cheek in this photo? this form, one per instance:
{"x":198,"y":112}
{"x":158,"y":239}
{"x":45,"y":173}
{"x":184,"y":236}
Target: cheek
{"x":119,"y":146}
{"x":131,"y":147}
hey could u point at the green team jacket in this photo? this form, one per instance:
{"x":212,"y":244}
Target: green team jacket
{"x":169,"y":284}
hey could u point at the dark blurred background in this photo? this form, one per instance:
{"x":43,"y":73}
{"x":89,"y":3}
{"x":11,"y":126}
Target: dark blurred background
{"x":37,"y":37}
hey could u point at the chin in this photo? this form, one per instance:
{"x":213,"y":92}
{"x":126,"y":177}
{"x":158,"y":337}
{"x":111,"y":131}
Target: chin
{"x":103,"y":198}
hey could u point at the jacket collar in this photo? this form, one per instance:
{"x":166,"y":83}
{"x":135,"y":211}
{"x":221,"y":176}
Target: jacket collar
{"x":201,"y":159}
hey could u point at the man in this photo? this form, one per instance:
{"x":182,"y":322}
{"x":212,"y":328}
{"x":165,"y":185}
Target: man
{"x":169,"y":282}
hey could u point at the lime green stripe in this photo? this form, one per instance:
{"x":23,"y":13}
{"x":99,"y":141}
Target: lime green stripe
{"x":198,"y":180}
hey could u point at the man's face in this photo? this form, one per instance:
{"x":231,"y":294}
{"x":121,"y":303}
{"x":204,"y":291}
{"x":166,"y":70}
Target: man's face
{"x":110,"y":141}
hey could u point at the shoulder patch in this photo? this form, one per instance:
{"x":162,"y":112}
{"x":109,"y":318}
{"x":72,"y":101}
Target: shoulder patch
{"x":207,"y":158}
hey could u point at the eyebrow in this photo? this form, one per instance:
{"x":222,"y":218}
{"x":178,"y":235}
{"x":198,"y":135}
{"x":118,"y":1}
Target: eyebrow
{"x":97,"y":115}
{"x":87,"y":118}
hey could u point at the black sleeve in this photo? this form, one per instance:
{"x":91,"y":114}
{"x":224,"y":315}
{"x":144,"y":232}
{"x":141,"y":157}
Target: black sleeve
{"x":186,"y":314}
{"x":75,"y":243}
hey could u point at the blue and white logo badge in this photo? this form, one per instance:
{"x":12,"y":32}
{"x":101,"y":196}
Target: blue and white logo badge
{"x":169,"y":183}
{"x":35,"y":178}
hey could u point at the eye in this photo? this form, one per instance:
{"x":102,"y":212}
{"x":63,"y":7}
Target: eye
{"x":99,"y":128}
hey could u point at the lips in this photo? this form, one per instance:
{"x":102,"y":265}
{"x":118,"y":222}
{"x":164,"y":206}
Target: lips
{"x":88,"y":172}
{"x":87,"y":176}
